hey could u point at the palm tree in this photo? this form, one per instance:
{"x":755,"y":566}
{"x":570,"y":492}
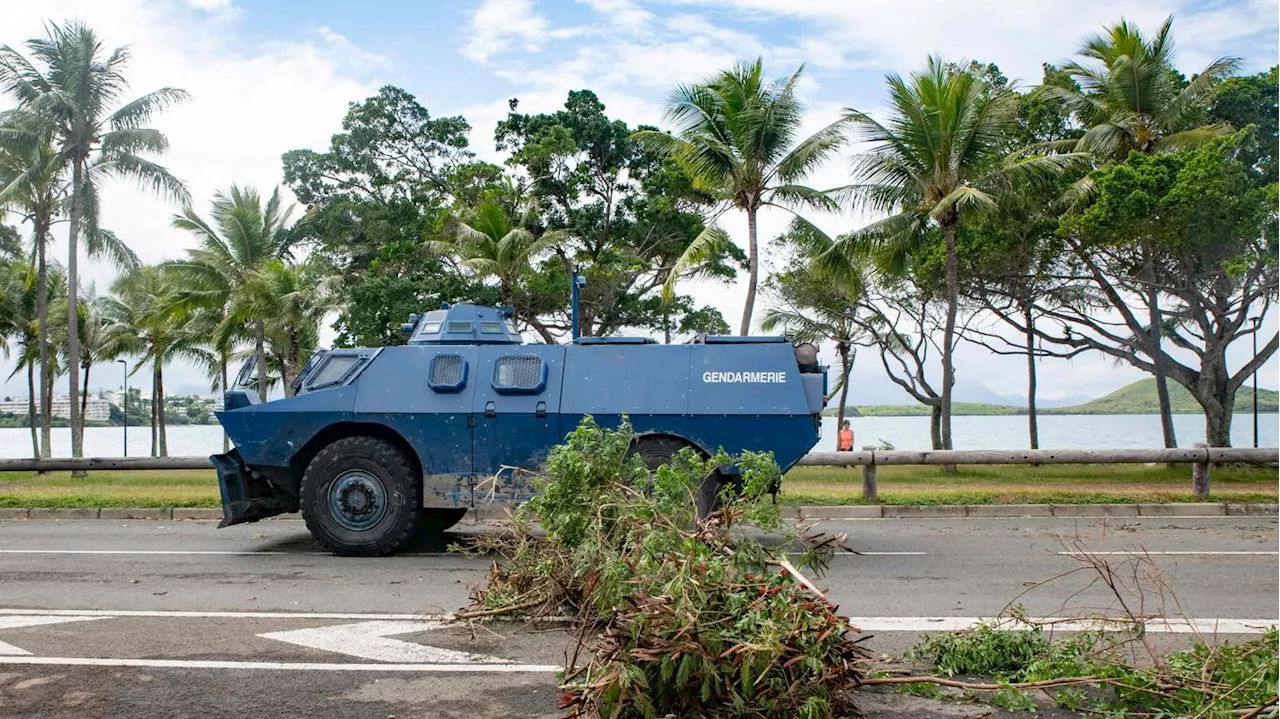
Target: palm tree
{"x":939,"y":155}
{"x":242,"y":236}
{"x":73,"y":87}
{"x":33,"y":185}
{"x":492,"y":245}
{"x":296,"y":298}
{"x":96,"y":341}
{"x":18,"y":322}
{"x":1132,"y":99}
{"x":735,"y":136}
{"x":143,"y":320}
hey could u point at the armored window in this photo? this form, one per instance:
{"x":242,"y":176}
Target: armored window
{"x":459,"y":326}
{"x":334,"y":370}
{"x":511,"y":327}
{"x":430,"y":328}
{"x":519,"y":374}
{"x":448,"y":373}
{"x":491,"y":328}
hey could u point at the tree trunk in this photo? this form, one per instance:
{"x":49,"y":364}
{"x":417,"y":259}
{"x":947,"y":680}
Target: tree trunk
{"x":1033,"y":429}
{"x":73,"y":291}
{"x":753,"y":273}
{"x":287,"y":363}
{"x":42,"y":337}
{"x":846,"y":366}
{"x":31,"y":410}
{"x":935,"y":426}
{"x":260,"y":348}
{"x":84,"y":403}
{"x":160,"y":420}
{"x":1217,"y":422}
{"x":84,"y":398}
{"x":155,"y":444}
{"x":1156,"y":332}
{"x":949,"y":332}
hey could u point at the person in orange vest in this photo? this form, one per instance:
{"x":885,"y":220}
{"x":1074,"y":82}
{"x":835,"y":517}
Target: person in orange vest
{"x":845,"y":439}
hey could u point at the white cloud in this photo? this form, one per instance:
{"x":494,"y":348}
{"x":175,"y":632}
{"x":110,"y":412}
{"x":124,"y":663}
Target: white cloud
{"x":1017,"y":36}
{"x":210,"y":5}
{"x":498,"y":25}
{"x":624,"y":15}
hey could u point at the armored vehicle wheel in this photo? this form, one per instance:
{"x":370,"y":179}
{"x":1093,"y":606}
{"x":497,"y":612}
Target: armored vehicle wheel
{"x":436,"y":520}
{"x":658,"y":450}
{"x":361,"y":496}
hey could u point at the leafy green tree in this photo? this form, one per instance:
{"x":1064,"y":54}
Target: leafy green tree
{"x":625,"y":214}
{"x":1212,"y":231}
{"x":810,"y":307}
{"x":387,"y":183}
{"x":736,"y":137}
{"x":242,"y":235}
{"x":1252,"y":100}
{"x":73,"y":88}
{"x":940,"y":156}
{"x":1008,"y":256}
{"x":1131,"y":98}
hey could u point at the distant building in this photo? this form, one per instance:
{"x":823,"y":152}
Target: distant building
{"x":96,"y":408}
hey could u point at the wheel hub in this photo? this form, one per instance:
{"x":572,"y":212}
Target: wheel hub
{"x":357,"y":500}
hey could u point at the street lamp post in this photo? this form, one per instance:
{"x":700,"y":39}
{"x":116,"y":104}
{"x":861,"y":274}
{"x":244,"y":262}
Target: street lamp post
{"x":125,"y":366}
{"x":1257,"y":322}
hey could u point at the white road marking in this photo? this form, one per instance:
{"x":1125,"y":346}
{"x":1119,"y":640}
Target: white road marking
{"x":372,"y":640}
{"x":857,"y":553}
{"x":288,"y":666}
{"x":1160,"y":626}
{"x":32,"y":620}
{"x":159,"y":551}
{"x":178,"y":614}
{"x":1138,"y":552}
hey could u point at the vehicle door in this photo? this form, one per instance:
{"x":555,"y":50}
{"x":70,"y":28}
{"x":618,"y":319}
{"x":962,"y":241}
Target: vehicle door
{"x":425,"y":394}
{"x":516,"y":417}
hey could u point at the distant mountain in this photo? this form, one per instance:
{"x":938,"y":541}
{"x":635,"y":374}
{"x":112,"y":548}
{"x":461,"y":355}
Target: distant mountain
{"x":1050,"y":402}
{"x":1140,"y":398}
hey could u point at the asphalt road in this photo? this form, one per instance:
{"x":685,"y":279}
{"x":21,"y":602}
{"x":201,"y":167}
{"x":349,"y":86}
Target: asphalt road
{"x":140,"y":619}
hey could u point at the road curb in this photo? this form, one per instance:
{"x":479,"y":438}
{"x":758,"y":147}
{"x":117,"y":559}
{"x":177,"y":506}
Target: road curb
{"x":850,"y":511}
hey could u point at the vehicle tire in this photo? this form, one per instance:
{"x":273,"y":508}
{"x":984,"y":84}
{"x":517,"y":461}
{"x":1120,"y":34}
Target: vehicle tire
{"x":658,"y":450}
{"x":435,"y":520}
{"x":362,"y":497}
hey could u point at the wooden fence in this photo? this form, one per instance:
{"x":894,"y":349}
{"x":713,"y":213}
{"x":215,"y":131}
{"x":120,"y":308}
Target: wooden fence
{"x":1200,"y":457}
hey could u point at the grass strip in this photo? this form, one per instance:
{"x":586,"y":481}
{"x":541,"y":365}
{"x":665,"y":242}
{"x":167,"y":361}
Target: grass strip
{"x":1002,"y":484}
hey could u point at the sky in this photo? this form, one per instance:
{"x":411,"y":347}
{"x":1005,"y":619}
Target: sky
{"x":268,"y":76}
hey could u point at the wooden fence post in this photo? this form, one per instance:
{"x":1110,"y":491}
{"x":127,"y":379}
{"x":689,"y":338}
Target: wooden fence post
{"x":1200,"y":475}
{"x":869,"y":490}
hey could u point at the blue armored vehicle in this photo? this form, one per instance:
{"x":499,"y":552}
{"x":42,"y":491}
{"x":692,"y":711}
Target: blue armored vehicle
{"x":376,"y":443}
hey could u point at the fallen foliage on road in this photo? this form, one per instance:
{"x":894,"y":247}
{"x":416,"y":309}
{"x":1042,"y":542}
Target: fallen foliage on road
{"x":676,"y":616}
{"x":1115,"y":670}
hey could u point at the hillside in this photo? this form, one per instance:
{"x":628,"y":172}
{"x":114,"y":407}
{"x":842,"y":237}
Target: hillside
{"x":1140,"y":398}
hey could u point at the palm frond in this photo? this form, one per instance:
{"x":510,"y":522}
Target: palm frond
{"x":711,"y":243}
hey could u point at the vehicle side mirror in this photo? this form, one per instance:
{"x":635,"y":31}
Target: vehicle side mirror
{"x":248,"y":375}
